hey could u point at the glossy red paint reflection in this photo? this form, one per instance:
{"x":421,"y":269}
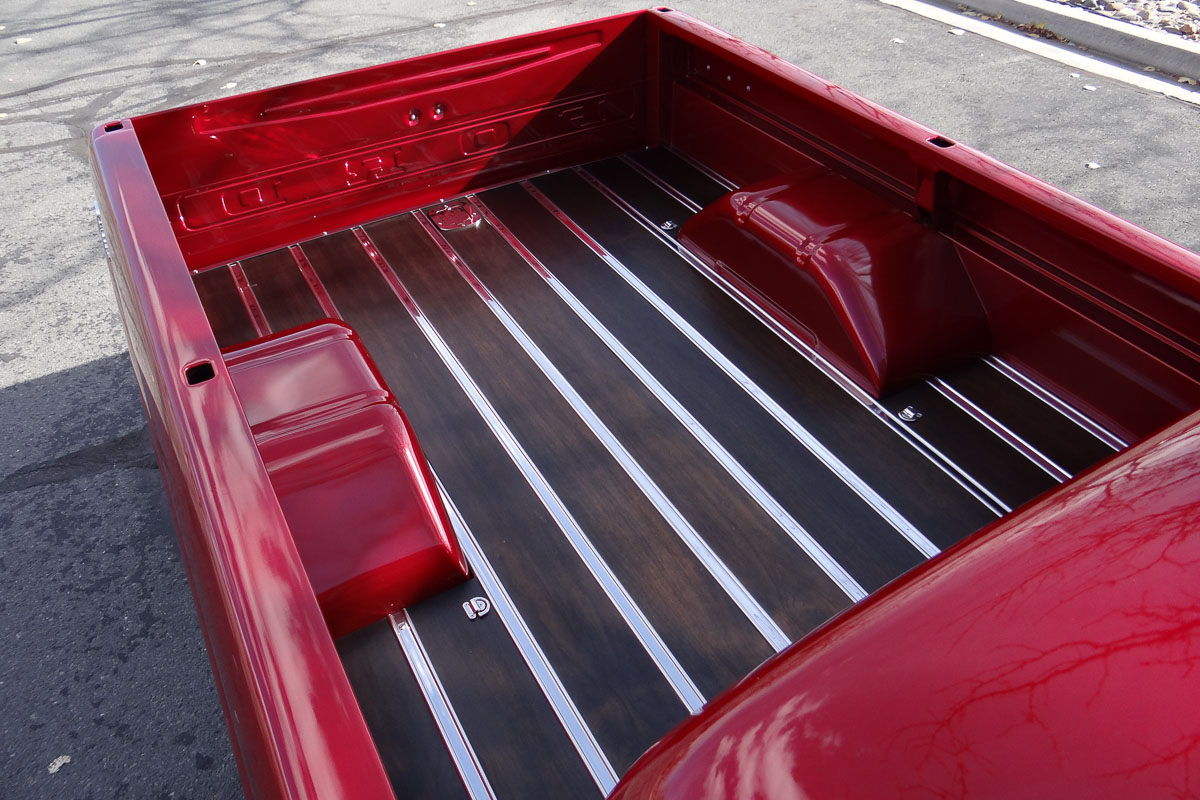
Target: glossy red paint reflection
{"x":355,"y":488}
{"x":874,"y":291}
{"x":978,"y":671}
{"x":296,"y":727}
{"x":370,"y":529}
{"x":261,"y":170}
{"x":1053,"y":655}
{"x":1068,"y":278}
{"x":286,"y":379}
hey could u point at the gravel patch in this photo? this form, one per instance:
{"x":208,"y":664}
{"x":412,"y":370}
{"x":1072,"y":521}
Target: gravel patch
{"x":1181,"y":17}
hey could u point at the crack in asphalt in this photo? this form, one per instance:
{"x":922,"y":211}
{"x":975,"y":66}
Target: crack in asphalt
{"x":130,"y":451}
{"x":79,"y":120}
{"x":28,"y":148}
{"x":264,"y":57}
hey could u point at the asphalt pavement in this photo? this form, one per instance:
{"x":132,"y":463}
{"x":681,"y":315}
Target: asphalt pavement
{"x":103,"y":661}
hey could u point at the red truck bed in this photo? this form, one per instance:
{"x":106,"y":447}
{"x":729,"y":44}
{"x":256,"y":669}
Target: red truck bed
{"x":676,"y":327}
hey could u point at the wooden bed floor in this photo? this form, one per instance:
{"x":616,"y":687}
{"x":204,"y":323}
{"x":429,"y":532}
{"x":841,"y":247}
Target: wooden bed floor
{"x":656,"y":489}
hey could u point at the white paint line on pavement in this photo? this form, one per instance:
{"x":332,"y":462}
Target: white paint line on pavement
{"x":1115,"y":25}
{"x":1045,"y":49}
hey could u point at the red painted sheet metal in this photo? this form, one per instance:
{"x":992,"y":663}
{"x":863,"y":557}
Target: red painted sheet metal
{"x":1049,"y":579}
{"x":871,"y":289}
{"x":751,"y":115}
{"x":1089,"y":364}
{"x":297,"y":730}
{"x":354,"y":485}
{"x":301,"y":375}
{"x":1052,"y":655}
{"x":327,"y":153}
{"x":365,"y":515}
{"x":1145,"y":251}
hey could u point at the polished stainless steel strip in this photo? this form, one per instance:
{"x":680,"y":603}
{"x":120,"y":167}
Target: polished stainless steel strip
{"x":647,"y":636}
{"x":809,"y":441}
{"x":249,"y":299}
{"x":1057,"y":403}
{"x":443,"y":712}
{"x":923,"y":446}
{"x":700,"y":548}
{"x":985,"y":496}
{"x":1002,"y":431}
{"x":740,"y":474}
{"x":678,"y":196}
{"x":547,"y":679}
{"x":705,"y":169}
{"x":885,"y":415}
{"x":314,"y":282}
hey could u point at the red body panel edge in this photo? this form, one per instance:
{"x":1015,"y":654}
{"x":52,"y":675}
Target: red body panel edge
{"x":1050,"y":655}
{"x":358,"y":495}
{"x":296,"y":727}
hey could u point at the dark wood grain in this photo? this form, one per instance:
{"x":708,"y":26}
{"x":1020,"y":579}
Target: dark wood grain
{"x":924,"y":494}
{"x":521,"y":745}
{"x":654,"y":203}
{"x":681,"y":176}
{"x":409,"y":743}
{"x":980,"y":453}
{"x":708,"y":634}
{"x":1064,"y":442}
{"x":857,"y":536}
{"x":617,"y":688}
{"x":620,"y":693}
{"x":283,"y":295}
{"x":1042,"y":424}
{"x":791,"y":587}
{"x":1003,"y":471}
{"x":223,"y":306}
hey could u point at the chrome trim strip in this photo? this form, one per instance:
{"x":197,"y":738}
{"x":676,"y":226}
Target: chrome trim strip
{"x":678,"y":196}
{"x":663,"y":658}
{"x":939,"y":459}
{"x":547,"y":679}
{"x":918,"y":442}
{"x":700,"y":548}
{"x":1057,"y":403}
{"x":740,"y":474}
{"x":314,"y":282}
{"x":249,"y":299}
{"x":104,"y":235}
{"x":705,"y":169}
{"x":443,"y":713}
{"x":1006,"y":434}
{"x":757,"y":393}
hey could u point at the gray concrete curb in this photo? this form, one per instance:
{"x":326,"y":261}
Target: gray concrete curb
{"x":1102,"y":36}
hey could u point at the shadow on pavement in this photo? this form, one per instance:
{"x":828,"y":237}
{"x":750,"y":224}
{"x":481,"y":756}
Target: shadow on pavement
{"x":103,"y":659}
